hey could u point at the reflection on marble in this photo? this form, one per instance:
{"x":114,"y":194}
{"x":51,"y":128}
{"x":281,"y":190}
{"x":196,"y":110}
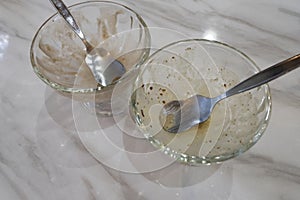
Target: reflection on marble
{"x":41,"y":157}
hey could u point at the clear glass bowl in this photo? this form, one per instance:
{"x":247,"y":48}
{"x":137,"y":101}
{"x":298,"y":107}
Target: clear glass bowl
{"x":57,"y":54}
{"x":188,"y":67}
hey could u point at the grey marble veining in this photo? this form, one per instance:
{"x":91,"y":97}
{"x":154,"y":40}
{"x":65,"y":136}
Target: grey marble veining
{"x":42,"y":157}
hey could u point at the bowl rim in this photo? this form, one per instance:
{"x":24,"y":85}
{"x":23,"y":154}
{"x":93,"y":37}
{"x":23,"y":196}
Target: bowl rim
{"x":207,"y":160}
{"x":99,"y":87}
{"x":208,"y":41}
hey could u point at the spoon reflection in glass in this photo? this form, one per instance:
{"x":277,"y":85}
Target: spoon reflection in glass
{"x":103,"y":66}
{"x":178,"y":116}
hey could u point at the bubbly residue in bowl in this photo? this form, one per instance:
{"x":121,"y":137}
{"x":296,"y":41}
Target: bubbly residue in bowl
{"x":231,"y":127}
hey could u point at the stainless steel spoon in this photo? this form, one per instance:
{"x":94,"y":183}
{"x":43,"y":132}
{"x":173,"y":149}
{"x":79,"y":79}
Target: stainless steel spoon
{"x":104,"y":67}
{"x":178,"y":116}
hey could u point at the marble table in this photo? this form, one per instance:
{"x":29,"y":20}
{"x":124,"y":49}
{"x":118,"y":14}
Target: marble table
{"x":42,"y":157}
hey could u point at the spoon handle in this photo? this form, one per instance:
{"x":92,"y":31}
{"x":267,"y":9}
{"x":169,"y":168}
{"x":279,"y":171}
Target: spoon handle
{"x":265,"y":76}
{"x":65,"y":13}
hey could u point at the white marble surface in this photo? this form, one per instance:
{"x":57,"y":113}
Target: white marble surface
{"x":41,"y":157}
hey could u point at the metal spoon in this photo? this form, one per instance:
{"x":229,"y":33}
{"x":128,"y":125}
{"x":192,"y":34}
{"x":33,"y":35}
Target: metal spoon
{"x":104,"y":67}
{"x":178,"y":116}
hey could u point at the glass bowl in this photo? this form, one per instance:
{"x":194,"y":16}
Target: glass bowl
{"x":57,"y":54}
{"x":196,"y":66}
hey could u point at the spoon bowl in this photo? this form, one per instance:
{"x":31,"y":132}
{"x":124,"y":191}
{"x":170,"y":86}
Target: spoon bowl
{"x":104,"y":67}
